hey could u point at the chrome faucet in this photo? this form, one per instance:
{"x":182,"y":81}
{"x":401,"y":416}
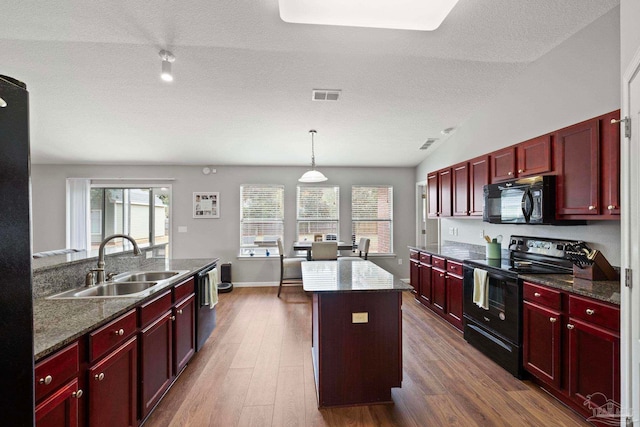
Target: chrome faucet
{"x":100,"y":269}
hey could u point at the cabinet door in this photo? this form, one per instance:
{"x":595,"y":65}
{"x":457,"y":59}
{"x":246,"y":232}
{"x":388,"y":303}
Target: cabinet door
{"x":534,"y":156}
{"x":460,"y":176}
{"x":414,"y":275}
{"x":438,"y":291}
{"x":610,"y":138}
{"x":444,"y":192}
{"x":184,"y":333}
{"x":503,"y":164}
{"x":425,"y":284}
{"x":594,"y":362}
{"x":542,"y":345}
{"x":61,"y":408}
{"x":577,"y":151}
{"x":432,"y":190}
{"x":112,"y":387}
{"x":454,"y":301}
{"x":156,"y":370}
{"x":478,"y":178}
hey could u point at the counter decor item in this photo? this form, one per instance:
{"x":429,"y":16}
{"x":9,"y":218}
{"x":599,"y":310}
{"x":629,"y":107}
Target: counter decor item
{"x":494,"y":247}
{"x":206,"y":205}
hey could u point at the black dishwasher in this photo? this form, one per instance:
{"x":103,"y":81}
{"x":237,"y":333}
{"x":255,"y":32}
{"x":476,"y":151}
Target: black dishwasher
{"x":206,"y":317}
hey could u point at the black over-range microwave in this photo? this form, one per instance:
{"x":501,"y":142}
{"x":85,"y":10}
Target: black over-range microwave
{"x":529,"y":200}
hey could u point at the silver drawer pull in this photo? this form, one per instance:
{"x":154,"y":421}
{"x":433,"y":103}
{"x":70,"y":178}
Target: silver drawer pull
{"x":99,"y":377}
{"x":46,"y":380}
{"x":537,"y":294}
{"x":119,"y":332}
{"x":552,"y":319}
{"x":570,"y":326}
{"x":180,"y":311}
{"x":590,"y":311}
{"x":77,"y":394}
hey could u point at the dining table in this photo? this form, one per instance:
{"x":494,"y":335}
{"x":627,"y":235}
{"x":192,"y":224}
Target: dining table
{"x":306,"y":246}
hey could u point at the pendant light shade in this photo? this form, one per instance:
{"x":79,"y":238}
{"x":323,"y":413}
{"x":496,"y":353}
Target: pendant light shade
{"x":313,"y":175}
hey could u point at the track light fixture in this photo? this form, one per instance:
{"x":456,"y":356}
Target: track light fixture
{"x":167,"y":59}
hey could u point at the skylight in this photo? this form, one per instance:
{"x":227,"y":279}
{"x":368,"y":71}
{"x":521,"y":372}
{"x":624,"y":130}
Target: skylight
{"x":421,"y":15}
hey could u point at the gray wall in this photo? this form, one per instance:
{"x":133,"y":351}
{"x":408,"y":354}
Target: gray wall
{"x":577,"y":80}
{"x":629,"y":31}
{"x":220,"y":237}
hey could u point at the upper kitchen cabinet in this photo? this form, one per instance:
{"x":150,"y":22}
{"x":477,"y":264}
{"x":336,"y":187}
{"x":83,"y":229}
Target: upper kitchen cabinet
{"x":478,"y":178}
{"x":503,"y":164}
{"x":460,"y":175}
{"x":445,"y":188}
{"x":587,"y":158}
{"x":534,"y":156}
{"x":432,"y":191}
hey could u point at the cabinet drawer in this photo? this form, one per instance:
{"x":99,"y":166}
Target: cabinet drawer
{"x":425,"y":258}
{"x":438,"y":262}
{"x":183,"y":289}
{"x":414,"y":254}
{"x":53,"y":371}
{"x":153,"y":309}
{"x":594,"y":312}
{"x":454,"y":268}
{"x":544,"y":296}
{"x":112,"y":334}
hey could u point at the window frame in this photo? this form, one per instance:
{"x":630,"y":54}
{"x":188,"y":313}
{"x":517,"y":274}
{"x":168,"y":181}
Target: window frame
{"x":336,"y":220}
{"x":267,"y":248}
{"x":373,"y":244}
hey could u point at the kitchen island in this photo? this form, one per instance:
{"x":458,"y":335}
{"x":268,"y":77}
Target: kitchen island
{"x":356,"y":331}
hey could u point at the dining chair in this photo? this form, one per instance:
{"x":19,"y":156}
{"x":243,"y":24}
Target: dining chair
{"x":324,"y":250}
{"x":290,"y":269}
{"x":363,"y":251}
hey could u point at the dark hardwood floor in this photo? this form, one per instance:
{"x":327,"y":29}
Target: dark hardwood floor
{"x":255,"y":370}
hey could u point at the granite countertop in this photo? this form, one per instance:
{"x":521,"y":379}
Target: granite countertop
{"x":58,"y":322}
{"x":455,"y":251}
{"x":352,"y":276}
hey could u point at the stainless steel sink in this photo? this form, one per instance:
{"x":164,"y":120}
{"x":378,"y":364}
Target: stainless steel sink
{"x":145,"y":276}
{"x":129,"y":284}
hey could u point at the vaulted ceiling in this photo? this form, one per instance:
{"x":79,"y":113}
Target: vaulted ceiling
{"x":243,"y":78}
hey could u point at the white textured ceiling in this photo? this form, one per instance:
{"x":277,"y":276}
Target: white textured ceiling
{"x":243,"y":78}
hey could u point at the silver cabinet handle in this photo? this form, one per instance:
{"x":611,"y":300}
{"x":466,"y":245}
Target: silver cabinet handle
{"x":590,"y":311}
{"x":552,"y":319}
{"x":537,"y":294}
{"x":46,"y":380}
{"x":520,"y":170}
{"x":592,"y":207}
{"x":99,"y":377}
{"x":180,"y":311}
{"x":119,"y":332}
{"x":510,"y":173}
{"x":570,"y":326}
{"x":77,"y":394}
{"x":173,"y":318}
{"x":611,"y":207}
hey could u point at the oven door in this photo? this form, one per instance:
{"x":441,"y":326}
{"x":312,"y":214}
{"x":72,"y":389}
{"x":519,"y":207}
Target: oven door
{"x":503,"y":315}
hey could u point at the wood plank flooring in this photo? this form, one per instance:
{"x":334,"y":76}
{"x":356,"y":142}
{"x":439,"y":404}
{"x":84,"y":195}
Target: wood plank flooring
{"x":255,"y":370}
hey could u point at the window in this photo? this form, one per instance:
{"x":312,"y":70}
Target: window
{"x":261,"y":218}
{"x":372,"y":216}
{"x":318,"y":212}
{"x":142,"y":213}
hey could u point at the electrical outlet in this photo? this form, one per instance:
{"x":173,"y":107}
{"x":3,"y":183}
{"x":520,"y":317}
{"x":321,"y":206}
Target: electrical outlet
{"x":482,"y":234}
{"x":399,"y":261}
{"x":451,"y":231}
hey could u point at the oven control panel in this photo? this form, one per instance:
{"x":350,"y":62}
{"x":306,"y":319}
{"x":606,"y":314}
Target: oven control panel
{"x":535,"y":245}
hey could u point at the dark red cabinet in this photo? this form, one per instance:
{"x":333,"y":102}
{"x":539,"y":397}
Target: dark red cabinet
{"x":113,"y":386}
{"x":438,"y":291}
{"x":542,"y":343}
{"x":184,"y":344}
{"x":433,"y":208}
{"x":61,"y":408}
{"x":424,"y":295}
{"x":534,"y":156}
{"x":577,"y":153}
{"x":445,"y":183}
{"x":610,"y":144}
{"x":454,"y":300}
{"x":478,"y":178}
{"x":460,"y":192}
{"x":503,"y":164}
{"x":414,"y":271}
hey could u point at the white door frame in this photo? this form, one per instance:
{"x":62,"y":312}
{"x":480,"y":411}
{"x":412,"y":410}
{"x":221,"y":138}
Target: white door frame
{"x":630,"y":250}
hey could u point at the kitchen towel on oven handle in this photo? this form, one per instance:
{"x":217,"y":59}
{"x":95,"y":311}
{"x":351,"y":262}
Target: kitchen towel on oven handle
{"x":213,"y":287}
{"x":481,"y":288}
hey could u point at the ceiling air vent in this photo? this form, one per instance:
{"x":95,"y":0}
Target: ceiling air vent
{"x":428,"y":143}
{"x":325,"y":94}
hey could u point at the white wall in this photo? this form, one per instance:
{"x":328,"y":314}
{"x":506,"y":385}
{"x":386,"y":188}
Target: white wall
{"x":577,"y":80}
{"x":629,"y":31}
{"x":220,"y":237}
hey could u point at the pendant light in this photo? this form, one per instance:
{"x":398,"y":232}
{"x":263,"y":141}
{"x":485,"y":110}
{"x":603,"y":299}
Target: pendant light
{"x":167,"y":59}
{"x":312,"y":175}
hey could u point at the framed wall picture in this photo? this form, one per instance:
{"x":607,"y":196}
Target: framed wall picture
{"x":206,"y":205}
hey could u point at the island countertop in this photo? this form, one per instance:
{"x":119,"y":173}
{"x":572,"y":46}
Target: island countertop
{"x":351,"y":276}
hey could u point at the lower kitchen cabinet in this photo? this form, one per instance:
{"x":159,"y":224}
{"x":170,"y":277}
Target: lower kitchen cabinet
{"x":424,"y":294}
{"x":454,"y":300}
{"x":61,"y":408}
{"x":184,"y":333}
{"x":112,"y":387}
{"x":571,"y":346}
{"x":438,"y":291}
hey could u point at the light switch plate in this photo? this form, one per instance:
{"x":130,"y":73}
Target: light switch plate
{"x":182,"y":229}
{"x":360,"y":317}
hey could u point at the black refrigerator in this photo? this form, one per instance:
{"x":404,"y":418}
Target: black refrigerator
{"x":16,"y":306}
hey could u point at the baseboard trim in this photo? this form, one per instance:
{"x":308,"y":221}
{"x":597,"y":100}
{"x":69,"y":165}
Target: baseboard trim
{"x":254,"y":284}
